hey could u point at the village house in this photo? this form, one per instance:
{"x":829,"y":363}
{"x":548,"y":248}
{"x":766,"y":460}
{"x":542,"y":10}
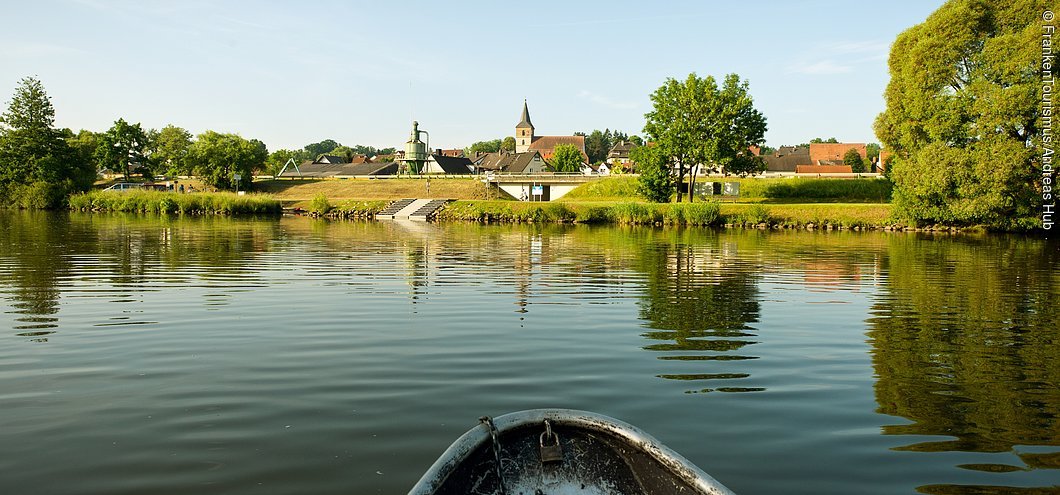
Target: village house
{"x":619,"y":155}
{"x":529,"y":162}
{"x":818,"y":158}
{"x":439,"y":163}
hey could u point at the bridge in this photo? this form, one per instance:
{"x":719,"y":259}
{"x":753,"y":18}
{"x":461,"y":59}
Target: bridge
{"x":538,"y":187}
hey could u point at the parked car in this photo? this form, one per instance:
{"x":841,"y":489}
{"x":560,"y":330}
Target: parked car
{"x":132,"y":186}
{"x":125,"y":186}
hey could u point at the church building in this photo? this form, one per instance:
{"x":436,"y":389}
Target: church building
{"x":526,"y":140}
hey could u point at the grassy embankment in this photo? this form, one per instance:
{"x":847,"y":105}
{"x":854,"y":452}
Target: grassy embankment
{"x":778,"y":203}
{"x":167,"y":202}
{"x":786,"y":203}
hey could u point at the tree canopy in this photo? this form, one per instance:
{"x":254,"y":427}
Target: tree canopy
{"x":962,"y":114}
{"x":566,"y":158}
{"x":122,"y":148}
{"x":656,"y":182}
{"x":217,"y":158}
{"x":322,"y":147}
{"x":599,"y":143}
{"x":38,"y":168}
{"x":853,"y":159}
{"x":697,"y":125}
{"x":169,"y":151}
{"x":492,"y":146}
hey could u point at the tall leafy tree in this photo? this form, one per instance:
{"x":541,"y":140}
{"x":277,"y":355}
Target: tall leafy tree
{"x":483,"y":147}
{"x":344,"y":152}
{"x":277,"y":159}
{"x":853,"y":158}
{"x":37,"y":166}
{"x":697,"y":125}
{"x":597,"y":144}
{"x":123,"y":147}
{"x":656,"y":181}
{"x":508,"y":144}
{"x":169,"y":151}
{"x":962,"y":114}
{"x":566,"y":158}
{"x":317,"y":149}
{"x":217,"y":158}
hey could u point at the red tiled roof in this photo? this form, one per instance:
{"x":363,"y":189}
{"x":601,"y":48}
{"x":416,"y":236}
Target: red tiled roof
{"x":823,"y":169}
{"x":834,"y":151}
{"x":547,"y":145}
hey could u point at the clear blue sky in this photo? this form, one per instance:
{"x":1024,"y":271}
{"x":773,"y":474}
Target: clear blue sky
{"x":292,"y":73}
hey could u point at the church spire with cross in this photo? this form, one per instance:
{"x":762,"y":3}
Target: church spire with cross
{"x":524,"y":131}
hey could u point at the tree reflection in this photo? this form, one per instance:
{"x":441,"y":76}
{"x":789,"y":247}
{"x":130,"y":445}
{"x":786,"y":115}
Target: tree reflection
{"x":699,"y":300}
{"x":43,"y":254}
{"x":34,"y":259}
{"x":965,"y":346}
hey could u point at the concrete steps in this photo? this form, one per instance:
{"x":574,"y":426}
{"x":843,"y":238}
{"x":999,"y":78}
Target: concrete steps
{"x":392,"y":208}
{"x":412,"y":209}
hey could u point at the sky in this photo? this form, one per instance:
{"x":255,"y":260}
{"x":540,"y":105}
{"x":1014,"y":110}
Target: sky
{"x":291,"y":73}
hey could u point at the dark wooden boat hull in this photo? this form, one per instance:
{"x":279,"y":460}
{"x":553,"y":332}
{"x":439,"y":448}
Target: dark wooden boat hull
{"x":599,"y":455}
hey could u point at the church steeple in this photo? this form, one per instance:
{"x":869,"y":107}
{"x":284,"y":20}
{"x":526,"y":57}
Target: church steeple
{"x":524,"y":131}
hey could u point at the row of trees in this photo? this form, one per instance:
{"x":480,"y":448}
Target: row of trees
{"x":277,"y":159}
{"x":599,"y":143}
{"x":41,"y":165}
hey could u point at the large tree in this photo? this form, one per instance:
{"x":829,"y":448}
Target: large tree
{"x":697,"y":125}
{"x":962,"y":114}
{"x":123,"y":148}
{"x":217,"y":158}
{"x":169,"y":151}
{"x":656,"y":182}
{"x":317,"y":149}
{"x":853,"y":158}
{"x":492,"y":146}
{"x":277,"y":159}
{"x":597,"y":144}
{"x":37,"y":166}
{"x":508,"y":144}
{"x":566,"y":158}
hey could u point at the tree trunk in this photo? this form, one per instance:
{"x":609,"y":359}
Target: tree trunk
{"x":691,"y":183}
{"x":680,"y":178}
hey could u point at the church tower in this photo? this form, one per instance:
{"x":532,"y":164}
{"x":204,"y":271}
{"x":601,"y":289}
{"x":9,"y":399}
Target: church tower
{"x":524,"y":132}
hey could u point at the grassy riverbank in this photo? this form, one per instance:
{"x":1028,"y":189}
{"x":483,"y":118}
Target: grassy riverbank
{"x":168,"y":202}
{"x":297,"y":191}
{"x":771,"y":190}
{"x":707,"y":213}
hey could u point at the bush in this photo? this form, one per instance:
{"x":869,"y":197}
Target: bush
{"x":836,"y":189}
{"x":167,"y":202}
{"x":755,"y":214}
{"x":702,"y":213}
{"x":593,"y":214}
{"x":319,"y":205}
{"x":558,"y":212}
{"x":636,"y":214}
{"x":37,"y":195}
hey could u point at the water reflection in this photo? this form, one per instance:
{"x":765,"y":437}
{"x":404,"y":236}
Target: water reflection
{"x":700,"y":299}
{"x":43,"y":255}
{"x":964,"y":345}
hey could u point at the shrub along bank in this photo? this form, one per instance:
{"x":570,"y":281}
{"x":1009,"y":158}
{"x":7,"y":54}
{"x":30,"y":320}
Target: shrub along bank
{"x":705,"y":213}
{"x":788,"y":189}
{"x":167,"y":202}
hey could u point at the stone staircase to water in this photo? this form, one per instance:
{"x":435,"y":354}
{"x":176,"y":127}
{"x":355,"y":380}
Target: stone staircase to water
{"x":412,"y":209}
{"x":392,"y":208}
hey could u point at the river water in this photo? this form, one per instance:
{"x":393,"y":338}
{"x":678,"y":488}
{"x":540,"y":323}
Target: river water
{"x":216,"y":355}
